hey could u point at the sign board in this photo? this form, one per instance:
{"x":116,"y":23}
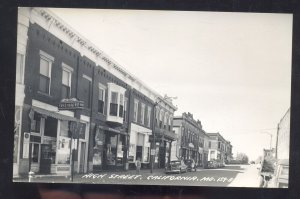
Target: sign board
{"x":70,"y":104}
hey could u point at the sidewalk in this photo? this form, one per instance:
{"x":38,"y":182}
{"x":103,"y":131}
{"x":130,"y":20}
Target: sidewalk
{"x":56,"y":178}
{"x":248,"y":178}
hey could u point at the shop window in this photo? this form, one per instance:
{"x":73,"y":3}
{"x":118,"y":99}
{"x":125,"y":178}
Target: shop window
{"x":146,"y":154}
{"x":66,"y":81}
{"x":101,"y":100}
{"x":36,"y":123}
{"x":50,"y":127}
{"x":143,"y":114}
{"x":45,"y":72}
{"x":114,"y":104}
{"x":139,"y":152}
{"x":35,"y":151}
{"x":135,"y":111}
{"x":19,"y":68}
{"x":64,"y":144}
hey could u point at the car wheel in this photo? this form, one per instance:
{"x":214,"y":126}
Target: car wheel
{"x":180,"y":171}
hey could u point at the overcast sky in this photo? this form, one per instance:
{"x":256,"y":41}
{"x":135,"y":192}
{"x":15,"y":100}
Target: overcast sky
{"x":232,"y":71}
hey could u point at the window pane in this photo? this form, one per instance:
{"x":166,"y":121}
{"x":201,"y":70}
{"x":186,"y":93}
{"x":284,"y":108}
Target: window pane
{"x":65,"y":92}
{"x":114,"y":97}
{"x":101,"y":94}
{"x":50,"y":127}
{"x":64,"y":128}
{"x":100,"y":106}
{"x":44,"y":84}
{"x":44,"y":67}
{"x":35,"y":152}
{"x":66,"y":78}
{"x":113,"y":109}
{"x":121,"y":111}
{"x":121,"y":99}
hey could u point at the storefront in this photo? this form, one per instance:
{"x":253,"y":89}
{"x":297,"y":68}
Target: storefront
{"x":110,"y":150}
{"x":139,"y":147}
{"x":50,"y":142}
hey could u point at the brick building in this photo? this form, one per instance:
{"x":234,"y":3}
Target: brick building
{"x":191,"y":138}
{"x":55,"y":63}
{"x":217,"y":147}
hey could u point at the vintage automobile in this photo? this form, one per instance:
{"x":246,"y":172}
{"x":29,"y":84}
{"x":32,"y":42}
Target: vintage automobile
{"x":212,"y":164}
{"x":176,"y":166}
{"x":191,"y":165}
{"x":281,"y":175}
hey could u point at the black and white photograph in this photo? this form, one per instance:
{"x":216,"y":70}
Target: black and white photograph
{"x":152,"y":97}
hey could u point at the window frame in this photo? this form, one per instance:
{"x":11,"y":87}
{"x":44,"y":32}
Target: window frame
{"x":69,"y":70}
{"x":103,"y":88}
{"x":50,"y":59}
{"x":143,"y":109}
{"x":135,"y":110}
{"x":89,"y":79}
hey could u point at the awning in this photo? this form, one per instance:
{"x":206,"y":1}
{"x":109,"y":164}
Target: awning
{"x":112,"y":130}
{"x":53,"y":114}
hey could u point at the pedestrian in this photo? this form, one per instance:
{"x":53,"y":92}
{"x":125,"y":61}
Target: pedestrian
{"x":138,"y":165}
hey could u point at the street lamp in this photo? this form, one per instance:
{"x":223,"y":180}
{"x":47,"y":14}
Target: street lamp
{"x":271,"y":136}
{"x":153,"y":148}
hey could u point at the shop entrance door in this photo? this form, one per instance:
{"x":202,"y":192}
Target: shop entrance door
{"x":45,"y":161}
{"x":82,"y":157}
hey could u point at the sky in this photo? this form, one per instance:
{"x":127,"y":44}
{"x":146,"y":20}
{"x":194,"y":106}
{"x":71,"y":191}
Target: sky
{"x":232,"y":71}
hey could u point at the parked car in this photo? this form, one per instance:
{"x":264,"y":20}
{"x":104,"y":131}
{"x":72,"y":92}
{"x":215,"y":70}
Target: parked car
{"x":220,"y":164}
{"x":212,"y":164}
{"x":191,"y":165}
{"x":281,"y":176}
{"x":176,"y":166}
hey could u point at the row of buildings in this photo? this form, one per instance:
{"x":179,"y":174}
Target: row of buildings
{"x":119,"y":121}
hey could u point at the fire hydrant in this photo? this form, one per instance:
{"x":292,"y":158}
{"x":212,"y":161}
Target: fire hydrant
{"x":30,"y":176}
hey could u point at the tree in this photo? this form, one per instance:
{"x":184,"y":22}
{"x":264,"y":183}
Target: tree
{"x":242,"y":158}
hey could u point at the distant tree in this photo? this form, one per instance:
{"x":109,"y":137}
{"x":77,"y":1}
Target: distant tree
{"x":242,"y":158}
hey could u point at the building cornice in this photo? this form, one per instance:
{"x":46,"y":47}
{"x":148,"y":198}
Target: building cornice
{"x":56,"y":26}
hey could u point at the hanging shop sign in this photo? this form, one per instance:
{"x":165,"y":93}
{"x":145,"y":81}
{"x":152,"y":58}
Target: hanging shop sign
{"x":70,"y":104}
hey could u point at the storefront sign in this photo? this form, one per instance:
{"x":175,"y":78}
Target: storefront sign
{"x":70,"y":104}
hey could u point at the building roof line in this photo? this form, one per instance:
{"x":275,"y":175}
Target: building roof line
{"x":75,"y":36}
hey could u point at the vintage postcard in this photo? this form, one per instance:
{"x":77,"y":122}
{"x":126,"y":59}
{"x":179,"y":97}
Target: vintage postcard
{"x":152,"y":97}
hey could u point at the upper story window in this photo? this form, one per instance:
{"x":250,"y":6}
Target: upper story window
{"x":101,"y":99}
{"x":157,"y":116}
{"x":125,"y":110}
{"x":45,"y":72}
{"x":148,"y":116}
{"x":143,"y":114}
{"x":121,"y":105}
{"x":114,"y":104}
{"x":135,"y":110}
{"x":87,"y":89}
{"x":161,"y":117}
{"x":170,"y":122}
{"x":116,"y":97}
{"x":66,"y":81}
{"x":165,"y":120}
{"x":19,"y":68}
{"x":209,"y":144}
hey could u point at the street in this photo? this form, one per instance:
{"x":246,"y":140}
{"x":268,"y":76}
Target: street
{"x":228,"y":176}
